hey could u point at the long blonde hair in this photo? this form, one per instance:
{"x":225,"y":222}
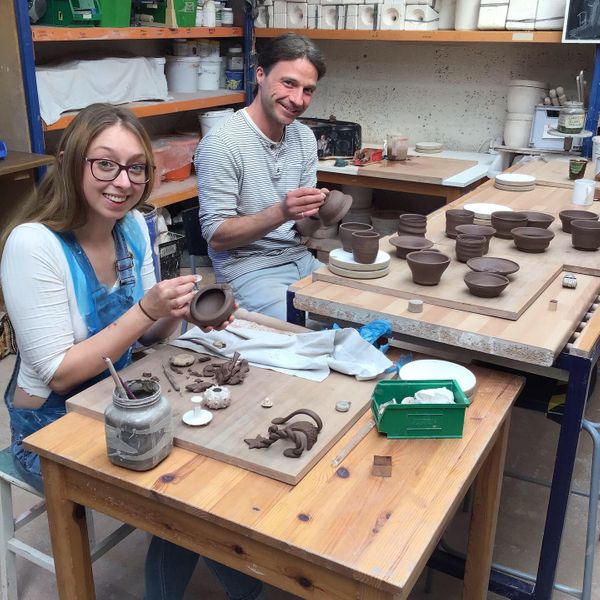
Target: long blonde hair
{"x":59,"y":201}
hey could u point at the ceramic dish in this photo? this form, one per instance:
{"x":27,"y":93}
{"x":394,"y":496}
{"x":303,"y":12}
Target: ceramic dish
{"x":358,"y":274}
{"x":409,"y":243}
{"x":491,"y":264}
{"x":345,"y":260}
{"x":532,"y":239}
{"x":514,"y":179}
{"x":485,"y":285}
{"x":483,"y":210}
{"x":439,"y":369}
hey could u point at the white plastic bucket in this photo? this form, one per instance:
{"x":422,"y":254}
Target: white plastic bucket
{"x":209,"y":71}
{"x":211,"y":118}
{"x":182,"y":73}
{"x":524,"y":95}
{"x":517,"y":130}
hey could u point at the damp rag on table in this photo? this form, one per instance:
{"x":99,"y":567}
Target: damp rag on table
{"x":310,"y":355}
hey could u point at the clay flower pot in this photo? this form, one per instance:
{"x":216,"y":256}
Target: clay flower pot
{"x":365,"y":246}
{"x":532,"y":239}
{"x":485,"y":230}
{"x":503,"y":221}
{"x":306,"y":227}
{"x":427,"y":266}
{"x":346,"y":230}
{"x":491,"y":264}
{"x":469,"y":246}
{"x":212,"y":305}
{"x":585,"y":234}
{"x":457,"y":216}
{"x":335,"y":207}
{"x":412,"y":224}
{"x":539,"y":219}
{"x":409,"y":243}
{"x":566,"y":216}
{"x":486,"y":285}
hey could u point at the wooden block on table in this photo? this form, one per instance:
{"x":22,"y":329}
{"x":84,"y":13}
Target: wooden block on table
{"x":382,"y":466}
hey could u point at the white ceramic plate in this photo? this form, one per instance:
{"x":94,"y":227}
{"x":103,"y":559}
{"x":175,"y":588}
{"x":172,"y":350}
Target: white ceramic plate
{"x":515,"y":179}
{"x":440,"y":369}
{"x":483,"y":209}
{"x":358,"y":274}
{"x":344,"y":260}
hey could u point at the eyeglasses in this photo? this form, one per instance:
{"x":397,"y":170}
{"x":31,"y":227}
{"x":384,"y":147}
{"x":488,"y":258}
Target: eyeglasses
{"x":104,"y":169}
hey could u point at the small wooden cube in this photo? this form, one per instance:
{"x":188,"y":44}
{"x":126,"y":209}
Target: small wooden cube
{"x":382,"y":466}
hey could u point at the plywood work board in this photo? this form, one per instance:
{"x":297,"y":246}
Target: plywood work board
{"x":223,"y":438}
{"x":552,"y":171}
{"x":536,"y":272}
{"x":424,"y":169}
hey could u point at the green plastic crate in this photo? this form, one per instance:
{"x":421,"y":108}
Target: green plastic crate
{"x":185,"y":11}
{"x":115,"y":13}
{"x":402,"y":421}
{"x":72,"y":13}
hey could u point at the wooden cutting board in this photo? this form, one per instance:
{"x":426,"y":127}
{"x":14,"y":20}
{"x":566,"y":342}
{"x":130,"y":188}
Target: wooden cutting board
{"x":424,"y":169}
{"x":223,"y":438}
{"x":554,"y":172}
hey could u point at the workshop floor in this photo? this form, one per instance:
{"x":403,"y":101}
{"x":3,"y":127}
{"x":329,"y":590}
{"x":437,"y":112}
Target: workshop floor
{"x":119,"y":574}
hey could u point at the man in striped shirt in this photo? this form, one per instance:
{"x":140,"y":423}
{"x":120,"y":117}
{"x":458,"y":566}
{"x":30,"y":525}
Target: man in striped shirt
{"x":257,"y":176}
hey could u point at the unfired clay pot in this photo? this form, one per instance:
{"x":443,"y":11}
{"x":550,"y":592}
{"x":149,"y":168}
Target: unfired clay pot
{"x":469,"y":246}
{"x":485,"y":230}
{"x":457,"y":216}
{"x":566,"y":216}
{"x":346,"y":230}
{"x":539,"y":219}
{"x":427,"y":266}
{"x":365,"y":246}
{"x":532,"y":239}
{"x":585,"y":234}
{"x":212,"y":305}
{"x":485,"y":285}
{"x":492,"y":264}
{"x":336,"y":205}
{"x":503,"y":221}
{"x":412,"y":224}
{"x":409,"y":243}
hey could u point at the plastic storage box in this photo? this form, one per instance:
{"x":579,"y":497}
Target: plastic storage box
{"x":72,"y":13}
{"x":115,"y":13}
{"x":401,"y":421}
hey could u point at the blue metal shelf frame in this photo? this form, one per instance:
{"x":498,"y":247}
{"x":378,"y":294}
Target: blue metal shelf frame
{"x":593,"y":104}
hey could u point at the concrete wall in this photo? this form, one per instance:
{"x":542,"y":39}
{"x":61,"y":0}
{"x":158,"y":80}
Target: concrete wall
{"x":453,"y":93}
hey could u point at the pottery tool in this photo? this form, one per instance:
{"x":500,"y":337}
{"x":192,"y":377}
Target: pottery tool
{"x":171,"y":380}
{"x":121,"y":386}
{"x":358,"y":437}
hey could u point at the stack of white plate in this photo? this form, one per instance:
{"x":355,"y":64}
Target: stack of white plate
{"x":342,"y":263}
{"x":428,"y":147}
{"x":514,"y":182}
{"x":483,"y":211}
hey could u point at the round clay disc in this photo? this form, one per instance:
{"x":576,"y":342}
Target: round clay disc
{"x":266,"y":403}
{"x":343,"y":406}
{"x":183,"y":360}
{"x":204,"y":417}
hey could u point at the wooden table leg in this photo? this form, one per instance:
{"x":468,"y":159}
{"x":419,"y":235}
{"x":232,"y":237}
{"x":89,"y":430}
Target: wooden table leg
{"x":484,"y":519}
{"x":68,"y":531}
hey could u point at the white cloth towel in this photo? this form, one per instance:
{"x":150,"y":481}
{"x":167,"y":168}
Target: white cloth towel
{"x":308,"y":355}
{"x":75,"y":84}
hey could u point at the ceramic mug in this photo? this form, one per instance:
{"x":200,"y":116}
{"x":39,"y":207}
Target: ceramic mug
{"x":583,"y":192}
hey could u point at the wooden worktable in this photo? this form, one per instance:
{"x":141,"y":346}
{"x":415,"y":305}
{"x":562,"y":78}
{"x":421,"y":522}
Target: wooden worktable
{"x":340,"y":534}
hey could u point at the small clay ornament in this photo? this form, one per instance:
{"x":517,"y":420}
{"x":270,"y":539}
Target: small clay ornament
{"x":267,"y":403}
{"x":343,"y":405}
{"x":569,"y":281}
{"x":217,"y":397}
{"x":197,"y":417}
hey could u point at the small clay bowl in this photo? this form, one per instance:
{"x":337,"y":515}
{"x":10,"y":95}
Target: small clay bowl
{"x":585,"y":234}
{"x":566,"y":216}
{"x":212,"y":305}
{"x":346,"y":230}
{"x":491,"y":264}
{"x":409,"y":243}
{"x":538,"y":219}
{"x":532,"y":239}
{"x":365,"y":246}
{"x":336,"y":205}
{"x":427,"y":266}
{"x":486,"y":285}
{"x":503,"y":221}
{"x":485,"y":230}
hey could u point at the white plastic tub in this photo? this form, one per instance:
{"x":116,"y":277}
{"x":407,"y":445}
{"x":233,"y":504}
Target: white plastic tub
{"x":517,"y":130}
{"x":211,"y":118}
{"x":182,"y":73}
{"x":524,"y":95}
{"x":209,"y":71}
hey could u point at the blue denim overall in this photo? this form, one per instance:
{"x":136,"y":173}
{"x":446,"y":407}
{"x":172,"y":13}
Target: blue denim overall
{"x":99,"y":307}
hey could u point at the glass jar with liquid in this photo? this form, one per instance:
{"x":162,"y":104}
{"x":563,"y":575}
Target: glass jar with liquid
{"x":571,"y":118}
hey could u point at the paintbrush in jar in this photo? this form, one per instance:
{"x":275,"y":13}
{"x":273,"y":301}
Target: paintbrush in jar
{"x":121,"y":386}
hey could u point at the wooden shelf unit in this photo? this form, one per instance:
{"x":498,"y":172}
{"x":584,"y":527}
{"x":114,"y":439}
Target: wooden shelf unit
{"x":23,"y":161}
{"x":171,"y":192}
{"x":540,"y":37}
{"x":74,"y":34}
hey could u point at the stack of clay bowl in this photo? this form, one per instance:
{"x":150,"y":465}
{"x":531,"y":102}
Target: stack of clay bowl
{"x":428,"y":147}
{"x":455,"y":217}
{"x":427,"y":266}
{"x":487,"y":231}
{"x":412,"y":224}
{"x":365,"y":260}
{"x":514,"y":182}
{"x":567,"y":216}
{"x":469,"y":246}
{"x":585,"y":234}
{"x":531,"y":239}
{"x":505,"y":221}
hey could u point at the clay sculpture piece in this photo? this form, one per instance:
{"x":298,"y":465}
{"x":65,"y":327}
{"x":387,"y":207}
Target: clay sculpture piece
{"x":485,"y":230}
{"x":409,"y":243}
{"x":485,"y":285}
{"x":504,"y":221}
{"x":532,"y":239}
{"x":212,"y":305}
{"x":232,"y":372}
{"x":346,"y":230}
{"x":336,"y":205}
{"x":538,"y":219}
{"x":427,"y":266}
{"x":457,"y":216}
{"x":585,"y":234}
{"x":365,"y":246}
{"x":566,"y":216}
{"x":303,"y":434}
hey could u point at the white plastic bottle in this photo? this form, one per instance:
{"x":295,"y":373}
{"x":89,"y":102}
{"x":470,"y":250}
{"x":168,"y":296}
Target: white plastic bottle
{"x":209,"y":14}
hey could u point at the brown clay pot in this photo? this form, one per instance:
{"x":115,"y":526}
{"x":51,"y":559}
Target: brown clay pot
{"x":532,"y":239}
{"x":491,"y":264}
{"x":469,"y":246}
{"x":412,"y":224}
{"x":457,"y":216}
{"x":336,"y":205}
{"x":503,"y":221}
{"x":409,"y":243}
{"x":566,"y":216}
{"x":346,"y":230}
{"x":485,"y":230}
{"x":538,"y":219}
{"x":485,"y":285}
{"x":585,"y":234}
{"x":427,"y":266}
{"x":306,"y":227}
{"x":212,"y":305}
{"x":365,"y":246}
